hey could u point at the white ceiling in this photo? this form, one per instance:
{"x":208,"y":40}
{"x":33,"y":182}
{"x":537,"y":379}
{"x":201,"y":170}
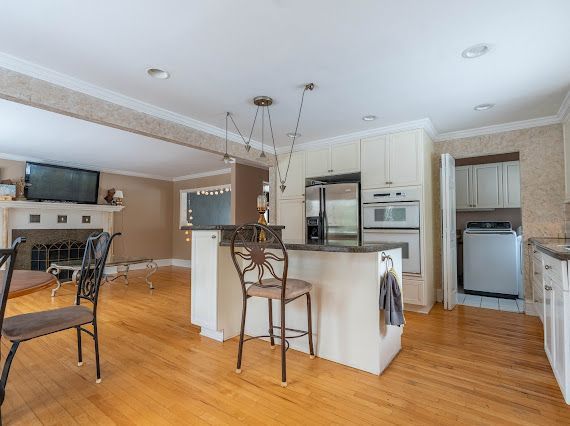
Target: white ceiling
{"x":399,"y":60}
{"x":33,"y":134}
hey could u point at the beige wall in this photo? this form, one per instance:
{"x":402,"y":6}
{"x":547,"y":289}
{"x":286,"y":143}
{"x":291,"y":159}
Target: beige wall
{"x":10,"y":169}
{"x":247,"y":184}
{"x":181,"y":249}
{"x":541,"y":152}
{"x":146,"y":220}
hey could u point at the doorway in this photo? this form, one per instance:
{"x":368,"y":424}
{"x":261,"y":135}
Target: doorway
{"x":482,"y":258}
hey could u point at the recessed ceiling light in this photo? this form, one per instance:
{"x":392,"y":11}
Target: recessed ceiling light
{"x":476,"y":51}
{"x":158,"y":73}
{"x":483,"y":107}
{"x":293,"y":135}
{"x":369,"y":118}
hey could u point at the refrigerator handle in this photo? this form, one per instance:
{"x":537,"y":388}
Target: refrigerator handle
{"x":324,"y":213}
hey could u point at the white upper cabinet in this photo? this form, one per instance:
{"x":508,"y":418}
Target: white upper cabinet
{"x":318,"y":162}
{"x":334,"y":160}
{"x":391,"y":160}
{"x":488,"y":186}
{"x":345,"y":158}
{"x":463,"y":187}
{"x":374,"y":162}
{"x":511,"y":184}
{"x":405,"y":158}
{"x":291,"y":214}
{"x":295,"y":184}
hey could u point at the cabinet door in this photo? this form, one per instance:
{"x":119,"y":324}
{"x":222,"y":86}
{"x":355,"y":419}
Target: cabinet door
{"x":560,"y":346}
{"x":345,"y":158}
{"x":318,"y":162}
{"x":548,"y":322}
{"x":463,"y":187}
{"x":295,"y":184}
{"x":205,"y":279}
{"x":511,"y":184}
{"x":404,"y":151}
{"x":374,"y":162}
{"x":292,"y":216}
{"x":487,"y":186}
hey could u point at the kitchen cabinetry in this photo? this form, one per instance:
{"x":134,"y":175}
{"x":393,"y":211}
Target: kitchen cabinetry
{"x":556,"y":310}
{"x":295,"y":185}
{"x":291,"y":214}
{"x":334,"y":160}
{"x":488,"y":186}
{"x":391,"y":160}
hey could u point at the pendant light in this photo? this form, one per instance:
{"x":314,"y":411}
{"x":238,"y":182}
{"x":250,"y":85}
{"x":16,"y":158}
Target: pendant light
{"x":227,"y":159}
{"x":265,"y":102}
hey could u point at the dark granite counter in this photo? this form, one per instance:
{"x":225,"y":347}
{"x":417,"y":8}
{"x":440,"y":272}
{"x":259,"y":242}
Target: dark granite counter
{"x":336,"y":246}
{"x":220,"y":227}
{"x":555,"y":247}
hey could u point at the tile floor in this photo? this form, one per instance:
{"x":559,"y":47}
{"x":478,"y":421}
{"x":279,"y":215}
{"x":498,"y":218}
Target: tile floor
{"x":508,"y":305}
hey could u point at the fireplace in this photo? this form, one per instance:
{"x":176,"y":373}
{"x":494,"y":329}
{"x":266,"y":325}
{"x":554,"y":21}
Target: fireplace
{"x":44,"y":246}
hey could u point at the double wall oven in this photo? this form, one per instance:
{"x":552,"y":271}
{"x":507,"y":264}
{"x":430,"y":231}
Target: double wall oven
{"x":393,"y":215}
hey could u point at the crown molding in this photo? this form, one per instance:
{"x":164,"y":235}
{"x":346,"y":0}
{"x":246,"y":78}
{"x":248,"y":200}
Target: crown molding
{"x":202,"y":175}
{"x":499,"y":128}
{"x":424,"y":123}
{"x":51,"y":76}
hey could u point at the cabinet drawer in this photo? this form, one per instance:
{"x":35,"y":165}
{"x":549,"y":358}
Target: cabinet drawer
{"x":538,"y":289}
{"x":554,"y":269}
{"x":536,"y":254}
{"x":537,"y":269}
{"x":413,"y":292}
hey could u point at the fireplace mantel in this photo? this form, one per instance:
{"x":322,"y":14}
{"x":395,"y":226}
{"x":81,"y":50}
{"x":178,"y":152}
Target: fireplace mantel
{"x":59,"y":206}
{"x":17,"y":215}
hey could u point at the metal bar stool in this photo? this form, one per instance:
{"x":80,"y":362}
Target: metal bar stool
{"x":249,"y":245}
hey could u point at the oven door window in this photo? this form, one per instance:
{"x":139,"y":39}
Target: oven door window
{"x":390,"y":214}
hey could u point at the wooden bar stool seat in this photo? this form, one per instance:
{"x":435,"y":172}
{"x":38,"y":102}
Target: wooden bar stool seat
{"x":258,"y":251}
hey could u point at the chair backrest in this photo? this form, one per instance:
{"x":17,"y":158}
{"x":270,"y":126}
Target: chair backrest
{"x":249,"y":245}
{"x":7,"y":259}
{"x":93,"y":266}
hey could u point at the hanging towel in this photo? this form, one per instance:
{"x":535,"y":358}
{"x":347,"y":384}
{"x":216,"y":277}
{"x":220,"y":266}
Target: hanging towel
{"x":391,"y":299}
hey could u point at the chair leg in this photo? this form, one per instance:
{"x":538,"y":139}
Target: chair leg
{"x":272,"y":339}
{"x":6,"y":369}
{"x":79,"y":351}
{"x":283,"y":347}
{"x":310,"y":326}
{"x":241,"y":334}
{"x":96,"y":339}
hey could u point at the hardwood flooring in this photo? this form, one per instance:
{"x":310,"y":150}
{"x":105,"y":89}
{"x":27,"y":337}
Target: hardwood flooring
{"x":469,"y":366}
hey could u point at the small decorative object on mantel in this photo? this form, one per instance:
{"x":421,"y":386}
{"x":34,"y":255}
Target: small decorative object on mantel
{"x":109,"y":197}
{"x":118,"y":198}
{"x":20,"y":188}
{"x":7,"y":191}
{"x":262,"y":208}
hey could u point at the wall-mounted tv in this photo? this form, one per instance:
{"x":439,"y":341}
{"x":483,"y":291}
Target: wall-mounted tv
{"x":46,"y":182}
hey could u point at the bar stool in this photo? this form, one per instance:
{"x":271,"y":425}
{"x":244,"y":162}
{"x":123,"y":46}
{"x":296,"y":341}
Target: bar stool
{"x":249,"y":245}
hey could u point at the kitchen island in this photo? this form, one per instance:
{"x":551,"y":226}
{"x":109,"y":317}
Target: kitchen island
{"x":348,"y":327}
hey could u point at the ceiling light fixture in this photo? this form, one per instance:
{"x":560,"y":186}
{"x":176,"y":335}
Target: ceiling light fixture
{"x":227,"y":159}
{"x":158,"y":73}
{"x":483,"y":107}
{"x":476,"y":51}
{"x":265,"y":102}
{"x":292,"y":135}
{"x":369,"y":118}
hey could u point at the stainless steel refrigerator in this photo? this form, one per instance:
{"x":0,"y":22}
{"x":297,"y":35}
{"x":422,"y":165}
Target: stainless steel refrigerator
{"x":332,"y":212}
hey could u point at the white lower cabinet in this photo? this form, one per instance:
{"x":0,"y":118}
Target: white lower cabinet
{"x":556,"y":315}
{"x":291,"y":214}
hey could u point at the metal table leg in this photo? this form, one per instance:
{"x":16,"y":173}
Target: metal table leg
{"x":151,"y":267}
{"x":55,"y":272}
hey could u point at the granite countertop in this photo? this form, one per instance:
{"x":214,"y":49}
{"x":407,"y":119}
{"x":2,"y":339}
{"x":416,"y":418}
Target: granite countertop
{"x":553,"y":247}
{"x":219,"y":227}
{"x":337,"y":246}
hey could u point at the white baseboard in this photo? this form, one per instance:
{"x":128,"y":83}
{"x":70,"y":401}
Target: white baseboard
{"x":182,"y":263}
{"x":439,"y":295}
{"x":418,"y":308}
{"x":530,"y":308}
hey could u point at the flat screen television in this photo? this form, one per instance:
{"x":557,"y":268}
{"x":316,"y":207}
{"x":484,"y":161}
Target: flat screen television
{"x":46,"y":182}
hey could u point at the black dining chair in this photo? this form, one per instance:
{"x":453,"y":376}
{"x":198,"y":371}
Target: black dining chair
{"x":257,"y":249}
{"x":21,"y":328}
{"x":7,"y":260}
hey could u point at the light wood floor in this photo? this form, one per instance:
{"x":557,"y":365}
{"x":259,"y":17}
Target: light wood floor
{"x":470,"y":366}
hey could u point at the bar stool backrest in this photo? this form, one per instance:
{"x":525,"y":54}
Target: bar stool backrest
{"x":7,"y":260}
{"x":249,"y":249}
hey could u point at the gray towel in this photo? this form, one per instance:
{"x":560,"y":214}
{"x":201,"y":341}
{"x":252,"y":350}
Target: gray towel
{"x":391,"y":299}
